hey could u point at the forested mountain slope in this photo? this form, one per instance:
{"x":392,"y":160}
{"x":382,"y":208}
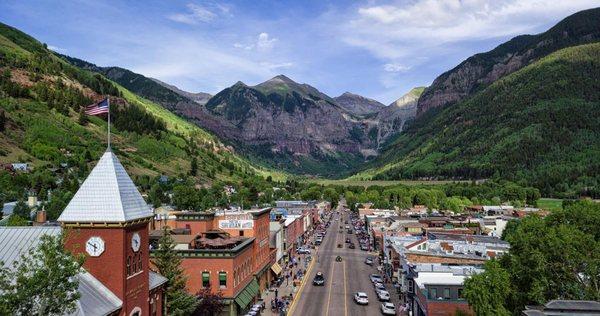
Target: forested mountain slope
{"x":538,"y":126}
{"x":480,"y":70}
{"x":41,"y":121}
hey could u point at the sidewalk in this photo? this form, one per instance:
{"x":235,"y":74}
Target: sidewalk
{"x":290,"y":286}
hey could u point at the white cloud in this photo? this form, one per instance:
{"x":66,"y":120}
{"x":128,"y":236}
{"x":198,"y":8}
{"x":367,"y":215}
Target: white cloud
{"x":275,"y":66}
{"x":400,"y":29}
{"x":265,"y":42}
{"x":394,"y":67}
{"x":200,"y":13}
{"x":57,"y":49}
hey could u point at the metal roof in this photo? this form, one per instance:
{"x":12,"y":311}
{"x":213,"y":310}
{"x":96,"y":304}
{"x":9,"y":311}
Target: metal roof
{"x":107,"y":195}
{"x":95,"y":298}
{"x":15,"y":241}
{"x":156,"y":280}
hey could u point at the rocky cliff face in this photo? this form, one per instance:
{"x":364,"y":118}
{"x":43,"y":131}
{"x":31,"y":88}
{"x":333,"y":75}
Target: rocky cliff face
{"x":357,"y":104}
{"x":483,"y":69}
{"x":391,"y":119}
{"x":282,"y":118}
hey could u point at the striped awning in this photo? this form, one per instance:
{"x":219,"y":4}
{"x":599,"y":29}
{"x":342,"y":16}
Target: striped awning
{"x":276,"y":268}
{"x":247,"y":294}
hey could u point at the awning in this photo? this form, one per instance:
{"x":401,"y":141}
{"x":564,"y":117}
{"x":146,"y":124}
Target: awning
{"x":247,"y":294}
{"x":276,"y":268}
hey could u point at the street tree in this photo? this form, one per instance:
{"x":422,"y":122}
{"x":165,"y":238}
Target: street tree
{"x":209,"y":302}
{"x":178,"y":301}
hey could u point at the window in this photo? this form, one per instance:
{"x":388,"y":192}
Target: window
{"x":222,"y":280}
{"x":128,"y":265}
{"x":447,"y":293}
{"x":433,"y":293}
{"x":241,"y":233}
{"x":205,"y":279}
{"x":411,"y":286}
{"x":140,"y":267}
{"x":460,"y":293}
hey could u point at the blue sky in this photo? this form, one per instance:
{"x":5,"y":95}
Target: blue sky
{"x":379,"y":49}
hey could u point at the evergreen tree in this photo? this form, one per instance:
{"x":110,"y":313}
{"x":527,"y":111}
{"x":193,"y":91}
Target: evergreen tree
{"x":22,"y":210}
{"x":83,"y":120}
{"x":43,"y":282}
{"x":194,"y":167}
{"x":2,"y":121}
{"x":179,"y":302}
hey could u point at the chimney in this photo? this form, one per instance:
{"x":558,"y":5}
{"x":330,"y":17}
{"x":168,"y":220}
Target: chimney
{"x":32,"y":201}
{"x":40,"y":216}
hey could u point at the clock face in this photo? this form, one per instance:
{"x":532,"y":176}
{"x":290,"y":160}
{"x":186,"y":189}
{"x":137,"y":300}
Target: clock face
{"x":94,"y":246}
{"x":135,"y":242}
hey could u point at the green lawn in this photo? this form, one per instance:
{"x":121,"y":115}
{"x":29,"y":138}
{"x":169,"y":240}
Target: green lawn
{"x":550,"y":204}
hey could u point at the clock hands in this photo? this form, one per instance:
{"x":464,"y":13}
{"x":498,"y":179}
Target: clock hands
{"x":93,"y":245}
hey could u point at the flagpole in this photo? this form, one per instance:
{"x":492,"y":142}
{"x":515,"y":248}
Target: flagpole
{"x":108,"y":100}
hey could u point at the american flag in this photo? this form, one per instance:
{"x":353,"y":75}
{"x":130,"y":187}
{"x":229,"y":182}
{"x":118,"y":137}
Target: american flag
{"x":97,"y":108}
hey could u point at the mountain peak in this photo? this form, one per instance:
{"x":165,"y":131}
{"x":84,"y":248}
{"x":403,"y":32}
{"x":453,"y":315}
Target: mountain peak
{"x":357,"y":104}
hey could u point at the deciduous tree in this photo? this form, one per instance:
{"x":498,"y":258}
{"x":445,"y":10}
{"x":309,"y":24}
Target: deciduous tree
{"x":42,"y":282}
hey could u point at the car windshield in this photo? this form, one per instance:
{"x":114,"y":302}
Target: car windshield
{"x":362,"y":295}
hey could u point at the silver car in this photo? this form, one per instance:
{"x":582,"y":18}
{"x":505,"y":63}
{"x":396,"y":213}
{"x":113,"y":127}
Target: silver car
{"x":383,"y":295}
{"x":388,"y":309}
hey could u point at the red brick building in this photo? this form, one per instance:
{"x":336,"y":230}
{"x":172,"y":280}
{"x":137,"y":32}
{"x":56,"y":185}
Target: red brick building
{"x":107,"y":221}
{"x":231,"y":254}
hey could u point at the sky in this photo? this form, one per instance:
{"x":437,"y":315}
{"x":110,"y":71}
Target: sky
{"x":378,"y":49}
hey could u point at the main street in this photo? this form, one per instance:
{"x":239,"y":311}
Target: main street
{"x":342,"y":279}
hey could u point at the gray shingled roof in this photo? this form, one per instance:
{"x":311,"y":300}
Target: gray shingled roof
{"x":107,"y":195}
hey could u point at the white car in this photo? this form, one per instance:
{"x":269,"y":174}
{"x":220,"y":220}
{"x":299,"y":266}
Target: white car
{"x":379,"y":286}
{"x":361,"y":298}
{"x":383,"y":295}
{"x":376,"y":278}
{"x":388,"y":309}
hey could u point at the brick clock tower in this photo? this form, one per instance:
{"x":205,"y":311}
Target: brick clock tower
{"x":107,"y":221}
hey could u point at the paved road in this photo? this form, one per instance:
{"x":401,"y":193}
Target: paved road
{"x":343,"y":279}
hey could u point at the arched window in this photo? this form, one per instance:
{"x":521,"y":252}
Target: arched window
{"x":128,"y":265}
{"x":140,"y":267}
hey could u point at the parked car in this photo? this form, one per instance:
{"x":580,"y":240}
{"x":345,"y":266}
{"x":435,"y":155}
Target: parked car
{"x":301,"y":250}
{"x":351,"y":245}
{"x":383,"y":295}
{"x":361,"y":298}
{"x":379,"y":286}
{"x":369,"y":261}
{"x":388,"y":309}
{"x":364,"y":247}
{"x":319,"y":279}
{"x":376,"y":278}
{"x":347,"y":240}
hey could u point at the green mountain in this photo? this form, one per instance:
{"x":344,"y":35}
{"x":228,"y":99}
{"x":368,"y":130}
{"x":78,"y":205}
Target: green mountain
{"x":480,"y":70}
{"x":538,"y":126}
{"x":41,"y":121}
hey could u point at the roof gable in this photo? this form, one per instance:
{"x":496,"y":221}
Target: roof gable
{"x":108,"y":195}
